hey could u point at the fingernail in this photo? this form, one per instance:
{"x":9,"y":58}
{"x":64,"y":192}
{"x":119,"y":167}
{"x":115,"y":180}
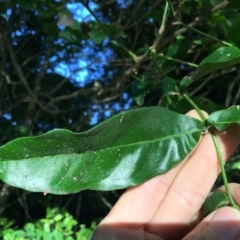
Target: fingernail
{"x":226,"y":223}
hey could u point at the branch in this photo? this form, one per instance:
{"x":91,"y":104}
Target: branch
{"x":161,"y":30}
{"x":142,"y":58}
{"x":198,"y":19}
{"x":72,"y":95}
{"x":130,"y":53}
{"x":19,"y":73}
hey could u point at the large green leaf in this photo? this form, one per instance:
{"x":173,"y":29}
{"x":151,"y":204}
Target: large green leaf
{"x":123,"y":151}
{"x":223,"y":118}
{"x":221,"y":58}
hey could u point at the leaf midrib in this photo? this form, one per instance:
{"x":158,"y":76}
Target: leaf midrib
{"x":120,"y":146}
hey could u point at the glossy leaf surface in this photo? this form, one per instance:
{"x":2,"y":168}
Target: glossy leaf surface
{"x":223,"y":118}
{"x":215,"y":201}
{"x":219,"y":59}
{"x":123,"y":151}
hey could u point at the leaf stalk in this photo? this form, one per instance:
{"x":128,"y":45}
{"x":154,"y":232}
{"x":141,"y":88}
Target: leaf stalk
{"x":195,"y":107}
{"x":223,"y":173}
{"x":220,"y":159}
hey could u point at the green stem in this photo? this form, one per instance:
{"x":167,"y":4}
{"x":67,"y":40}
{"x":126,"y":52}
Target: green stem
{"x":223,"y":173}
{"x":161,"y":29}
{"x":195,"y":107}
{"x":204,"y":34}
{"x":180,"y":61}
{"x":163,"y":24}
{"x":159,"y":69}
{"x":220,"y":159}
{"x":171,"y":7}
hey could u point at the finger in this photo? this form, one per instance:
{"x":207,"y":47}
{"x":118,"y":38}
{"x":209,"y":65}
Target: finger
{"x":193,"y":183}
{"x":223,"y":223}
{"x":138,"y":204}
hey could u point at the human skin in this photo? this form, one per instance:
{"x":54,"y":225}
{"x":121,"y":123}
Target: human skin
{"x":169,"y":206}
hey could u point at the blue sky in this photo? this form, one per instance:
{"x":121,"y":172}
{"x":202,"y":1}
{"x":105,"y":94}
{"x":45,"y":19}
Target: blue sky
{"x":89,"y":56}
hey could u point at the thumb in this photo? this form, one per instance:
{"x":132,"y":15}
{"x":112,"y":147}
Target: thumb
{"x":222,"y":224}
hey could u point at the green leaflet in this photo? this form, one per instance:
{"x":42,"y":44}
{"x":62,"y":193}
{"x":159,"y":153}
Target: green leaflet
{"x":123,"y":151}
{"x":223,"y":118}
{"x":214,"y":201}
{"x":221,"y":58}
{"x":236,"y":165}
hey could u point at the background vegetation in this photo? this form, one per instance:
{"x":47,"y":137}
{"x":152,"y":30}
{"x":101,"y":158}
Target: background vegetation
{"x":63,"y":67}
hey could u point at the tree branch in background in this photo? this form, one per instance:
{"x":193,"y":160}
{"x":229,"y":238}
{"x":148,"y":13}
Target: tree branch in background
{"x":20,"y":74}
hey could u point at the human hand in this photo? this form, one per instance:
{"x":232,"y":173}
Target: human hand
{"x":169,"y":206}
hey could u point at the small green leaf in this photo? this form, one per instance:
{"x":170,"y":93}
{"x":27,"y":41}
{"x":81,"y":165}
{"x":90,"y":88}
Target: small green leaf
{"x":123,"y":151}
{"x":223,"y":118}
{"x":233,"y":33}
{"x":215,"y":201}
{"x":177,"y":50}
{"x":187,"y":80}
{"x":138,"y":91}
{"x":71,"y":35}
{"x":97,"y":35}
{"x":168,"y":85}
{"x":236,"y":165}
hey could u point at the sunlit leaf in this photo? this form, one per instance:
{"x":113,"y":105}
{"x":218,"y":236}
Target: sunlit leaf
{"x":236,"y":165}
{"x":215,"y":201}
{"x":223,"y":118}
{"x":123,"y":151}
